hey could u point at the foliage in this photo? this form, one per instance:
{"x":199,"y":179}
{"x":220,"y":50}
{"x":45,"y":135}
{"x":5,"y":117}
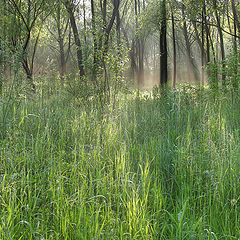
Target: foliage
{"x":231,"y":72}
{"x":108,"y":83}
{"x":148,"y":170}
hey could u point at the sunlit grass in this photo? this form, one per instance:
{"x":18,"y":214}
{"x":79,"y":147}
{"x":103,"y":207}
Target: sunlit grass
{"x":155,"y":167}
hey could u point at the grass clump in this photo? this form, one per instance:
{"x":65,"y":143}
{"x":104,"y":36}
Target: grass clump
{"x":154,"y":167}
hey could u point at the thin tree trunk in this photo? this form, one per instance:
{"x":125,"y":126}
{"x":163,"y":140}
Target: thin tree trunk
{"x":221,"y":43}
{"x":95,"y":50}
{"x":174,"y":52}
{"x":137,"y":43}
{"x":141,"y":54}
{"x":163,"y":45}
{"x":131,"y":53}
{"x":203,"y":54}
{"x":84,"y":22}
{"x":235,"y":16}
{"x":107,"y":28}
{"x":61,"y":45}
{"x":69,"y":8}
{"x":200,"y":44}
{"x":235,"y":52}
{"x":62,"y":59}
{"x":118,"y":29}
{"x":207,"y":33}
{"x":4,"y":34}
{"x":191,"y":64}
{"x":132,"y":59}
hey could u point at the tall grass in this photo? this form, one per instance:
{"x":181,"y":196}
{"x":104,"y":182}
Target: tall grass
{"x":155,"y":167}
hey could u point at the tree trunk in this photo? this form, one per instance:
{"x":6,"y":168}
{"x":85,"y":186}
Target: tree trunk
{"x":201,"y":46}
{"x":28,"y":72}
{"x":69,"y":8}
{"x":206,"y":28}
{"x":118,"y":29}
{"x":235,"y":52}
{"x":235,"y":16}
{"x":61,"y":45}
{"x":84,"y":22}
{"x":139,"y":47}
{"x":62,"y":59}
{"x":221,"y":43}
{"x":108,"y":29}
{"x":191,"y":63}
{"x":131,"y":54}
{"x":95,"y":50}
{"x":1,"y":69}
{"x":174,"y":52}
{"x":163,"y":45}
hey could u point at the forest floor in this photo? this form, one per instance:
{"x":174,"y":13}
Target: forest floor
{"x":151,"y":167}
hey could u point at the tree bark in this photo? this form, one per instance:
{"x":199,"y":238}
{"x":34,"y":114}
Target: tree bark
{"x":192,"y":68}
{"x":221,"y":43}
{"x":235,"y":16}
{"x":69,"y":8}
{"x":200,"y":41}
{"x":85,"y":22}
{"x":61,"y":45}
{"x":163,"y":45}
{"x":116,"y":4}
{"x":203,"y":53}
{"x":118,"y":28}
{"x":174,"y":52}
{"x":95,"y":49}
{"x":235,"y":52}
{"x":206,"y":28}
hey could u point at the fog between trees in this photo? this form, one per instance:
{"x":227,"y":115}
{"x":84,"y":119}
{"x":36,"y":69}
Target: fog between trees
{"x":153,"y":42}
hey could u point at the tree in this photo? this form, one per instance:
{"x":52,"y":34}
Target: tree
{"x":219,"y":28}
{"x":192,"y":68}
{"x":174,"y":50}
{"x":163,"y":44}
{"x":27,"y":14}
{"x":59,"y":27}
{"x":70,"y":8}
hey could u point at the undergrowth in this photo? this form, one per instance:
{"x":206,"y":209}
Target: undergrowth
{"x":154,"y":166}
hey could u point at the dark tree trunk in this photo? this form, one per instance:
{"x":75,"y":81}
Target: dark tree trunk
{"x":1,"y":69}
{"x":108,"y":29}
{"x":132,"y":59}
{"x":207,"y":33}
{"x":141,"y":61}
{"x":61,"y":45}
{"x":69,"y":8}
{"x":62,"y":59}
{"x":131,"y":53}
{"x":203,"y":53}
{"x":192,"y":68}
{"x":235,"y":16}
{"x":200,"y":41}
{"x":26,"y":66}
{"x":28,"y":72}
{"x":214,"y":73}
{"x":139,"y":47}
{"x":118,"y":28}
{"x":85,"y":22}
{"x":235,"y":51}
{"x":174,"y":52}
{"x":4,"y":35}
{"x":95,"y":50}
{"x":163,"y":45}
{"x":221,"y":43}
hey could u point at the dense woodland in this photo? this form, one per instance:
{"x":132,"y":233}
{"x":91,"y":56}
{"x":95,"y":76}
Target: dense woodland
{"x":119,"y":119}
